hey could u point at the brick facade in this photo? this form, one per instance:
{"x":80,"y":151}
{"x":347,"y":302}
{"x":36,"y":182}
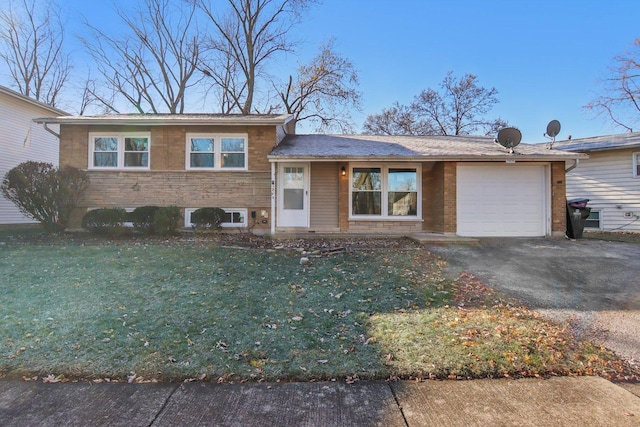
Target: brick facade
{"x":558,"y":199}
{"x":167,"y":182}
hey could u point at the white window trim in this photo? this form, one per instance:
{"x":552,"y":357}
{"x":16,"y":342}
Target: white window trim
{"x":384,"y":169}
{"x":635,"y":161}
{"x":243,"y":211}
{"x":121,"y":137}
{"x":217,"y":150}
{"x":599,"y":211}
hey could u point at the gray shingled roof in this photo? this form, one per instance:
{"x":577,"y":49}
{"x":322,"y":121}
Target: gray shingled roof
{"x":372,"y":147}
{"x":600,"y":143}
{"x":164,"y":119}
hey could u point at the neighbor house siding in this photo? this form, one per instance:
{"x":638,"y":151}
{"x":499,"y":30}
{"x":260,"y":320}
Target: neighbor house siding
{"x":324,"y":200}
{"x":167,"y":182}
{"x":607,"y":180}
{"x":22,"y":140}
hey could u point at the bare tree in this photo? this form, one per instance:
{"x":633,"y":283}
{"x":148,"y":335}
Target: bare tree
{"x":620,"y":101}
{"x":153,"y":67}
{"x":33,"y":49}
{"x":323,"y":92}
{"x":249,"y":33}
{"x":397,"y":120}
{"x":459,"y":108}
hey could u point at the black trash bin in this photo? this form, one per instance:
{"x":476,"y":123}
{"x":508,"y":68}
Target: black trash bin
{"x":577,"y":214}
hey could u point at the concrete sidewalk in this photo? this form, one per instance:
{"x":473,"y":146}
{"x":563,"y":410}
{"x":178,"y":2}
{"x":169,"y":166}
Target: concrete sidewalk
{"x":565,"y":401}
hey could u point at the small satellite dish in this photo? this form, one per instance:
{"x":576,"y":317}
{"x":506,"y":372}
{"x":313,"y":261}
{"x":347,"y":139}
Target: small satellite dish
{"x":509,"y":138}
{"x":553,"y":129}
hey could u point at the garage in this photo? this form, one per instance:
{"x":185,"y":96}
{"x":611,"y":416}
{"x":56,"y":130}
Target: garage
{"x":501,"y":200}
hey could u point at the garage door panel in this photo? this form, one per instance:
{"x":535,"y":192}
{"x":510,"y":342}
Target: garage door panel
{"x":501,"y":200}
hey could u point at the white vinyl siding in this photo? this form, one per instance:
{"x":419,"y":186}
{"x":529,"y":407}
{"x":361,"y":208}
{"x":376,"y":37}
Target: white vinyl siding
{"x":501,"y":200}
{"x":607,"y":180}
{"x":22,"y":140}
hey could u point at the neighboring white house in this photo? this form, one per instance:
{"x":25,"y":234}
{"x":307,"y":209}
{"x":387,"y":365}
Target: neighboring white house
{"x":21,"y":139}
{"x":610,"y":179}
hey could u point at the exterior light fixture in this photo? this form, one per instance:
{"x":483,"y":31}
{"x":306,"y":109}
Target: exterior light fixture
{"x":344,"y":171}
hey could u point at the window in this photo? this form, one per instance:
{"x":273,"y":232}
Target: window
{"x":213,"y":151}
{"x":636,"y":165}
{"x":388,"y":192}
{"x":234,"y":217}
{"x":116,"y":151}
{"x":593,"y":220}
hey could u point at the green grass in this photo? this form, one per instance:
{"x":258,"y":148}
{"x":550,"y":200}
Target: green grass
{"x":179,"y":311}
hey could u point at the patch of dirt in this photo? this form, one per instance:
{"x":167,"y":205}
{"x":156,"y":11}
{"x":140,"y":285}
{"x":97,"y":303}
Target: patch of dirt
{"x":244,"y":240}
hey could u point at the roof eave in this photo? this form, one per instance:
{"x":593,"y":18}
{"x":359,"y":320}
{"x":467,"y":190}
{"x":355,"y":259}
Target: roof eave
{"x":32,"y":101}
{"x":163,"y":121}
{"x":510,"y":158}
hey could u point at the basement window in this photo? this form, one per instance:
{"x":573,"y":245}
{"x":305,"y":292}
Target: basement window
{"x":594,"y":220}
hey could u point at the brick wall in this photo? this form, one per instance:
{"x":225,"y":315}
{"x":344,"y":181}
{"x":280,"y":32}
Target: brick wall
{"x":558,"y":199}
{"x":433,"y":196}
{"x":385,"y":227}
{"x":450,"y":197}
{"x":168,"y":183}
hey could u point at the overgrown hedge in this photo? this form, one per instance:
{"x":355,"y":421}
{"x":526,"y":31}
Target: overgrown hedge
{"x":207,"y":218}
{"x":148,"y":220}
{"x":108,"y":221}
{"x":45,"y":193}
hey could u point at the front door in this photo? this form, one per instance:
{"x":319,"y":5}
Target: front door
{"x":293,"y":195}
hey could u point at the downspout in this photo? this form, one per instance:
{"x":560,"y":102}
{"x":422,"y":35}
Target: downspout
{"x":573,"y":166}
{"x":51,"y":131}
{"x":273,"y":198}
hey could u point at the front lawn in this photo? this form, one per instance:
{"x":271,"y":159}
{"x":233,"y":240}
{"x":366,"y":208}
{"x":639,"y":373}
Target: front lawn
{"x":159,"y":310}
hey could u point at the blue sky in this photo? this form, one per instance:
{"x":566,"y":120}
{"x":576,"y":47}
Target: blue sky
{"x":545,"y":58}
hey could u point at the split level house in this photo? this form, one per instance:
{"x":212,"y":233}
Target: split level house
{"x":22,"y":140}
{"x":609,"y":178}
{"x":271,"y":181}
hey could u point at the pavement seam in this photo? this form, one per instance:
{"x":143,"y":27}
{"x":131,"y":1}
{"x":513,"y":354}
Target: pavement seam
{"x":164,"y":405}
{"x":395,"y":397}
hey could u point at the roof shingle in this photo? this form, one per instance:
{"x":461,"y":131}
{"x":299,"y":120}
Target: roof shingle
{"x":374,"y":147}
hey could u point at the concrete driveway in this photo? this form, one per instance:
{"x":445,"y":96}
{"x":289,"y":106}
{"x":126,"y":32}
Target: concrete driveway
{"x":595,"y":284}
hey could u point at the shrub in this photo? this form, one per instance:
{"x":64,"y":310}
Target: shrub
{"x":107,"y":221}
{"x":44,"y":192}
{"x":142,"y":218}
{"x":207,"y":218}
{"x":166,"y":220}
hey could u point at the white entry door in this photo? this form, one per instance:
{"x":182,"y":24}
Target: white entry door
{"x":293,"y":195}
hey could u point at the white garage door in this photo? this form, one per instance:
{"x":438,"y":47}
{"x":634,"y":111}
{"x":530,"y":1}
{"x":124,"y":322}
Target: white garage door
{"x":501,"y":200}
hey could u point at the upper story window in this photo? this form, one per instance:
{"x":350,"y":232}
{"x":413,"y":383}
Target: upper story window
{"x":217,"y":151}
{"x":385,"y":191}
{"x":636,"y":165}
{"x":119,"y":151}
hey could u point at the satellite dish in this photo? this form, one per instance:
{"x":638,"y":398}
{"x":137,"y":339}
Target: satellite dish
{"x":509,"y":138}
{"x":553,"y":128}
